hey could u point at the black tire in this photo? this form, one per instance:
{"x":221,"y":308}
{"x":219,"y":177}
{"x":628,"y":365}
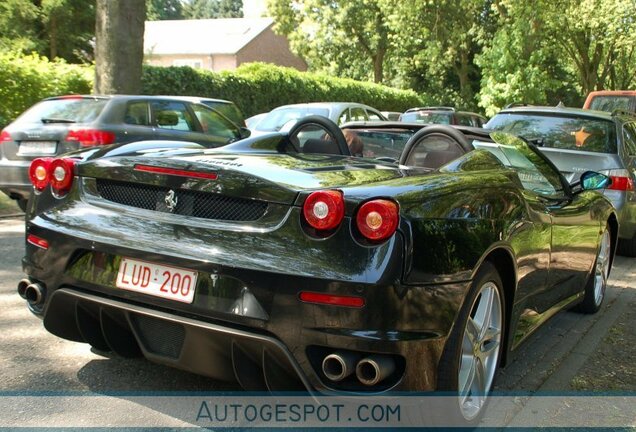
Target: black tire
{"x":591,"y":303}
{"x":449,"y":366}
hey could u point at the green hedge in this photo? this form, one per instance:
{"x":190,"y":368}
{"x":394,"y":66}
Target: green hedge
{"x":24,"y":80}
{"x":259,"y":87}
{"x":255,"y":87}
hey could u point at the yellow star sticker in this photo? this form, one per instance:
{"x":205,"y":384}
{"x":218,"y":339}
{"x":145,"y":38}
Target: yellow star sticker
{"x":580,"y":136}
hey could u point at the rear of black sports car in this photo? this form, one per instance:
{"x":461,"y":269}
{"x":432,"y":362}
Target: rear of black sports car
{"x":264,"y":269}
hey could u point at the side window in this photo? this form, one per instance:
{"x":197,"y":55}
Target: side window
{"x":213,"y":123}
{"x":358,"y":114}
{"x":373,"y":116}
{"x":464,"y":120}
{"x":535,"y":173}
{"x":172,"y":115}
{"x":137,"y":113}
{"x":344,"y":117}
{"x":477,"y":121}
{"x":629,"y":138}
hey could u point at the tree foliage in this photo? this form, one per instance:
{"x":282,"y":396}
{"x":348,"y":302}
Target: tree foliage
{"x":157,"y":10}
{"x":53,"y":28}
{"x":340,"y":37}
{"x":203,"y":9}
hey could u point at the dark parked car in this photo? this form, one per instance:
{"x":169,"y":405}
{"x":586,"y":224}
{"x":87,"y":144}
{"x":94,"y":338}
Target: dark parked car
{"x":58,"y":125}
{"x":283,"y":263}
{"x":442,"y":115}
{"x":579,"y":140}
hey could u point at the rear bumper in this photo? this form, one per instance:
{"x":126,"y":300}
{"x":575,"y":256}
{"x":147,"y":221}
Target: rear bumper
{"x":14,"y":178}
{"x":256,"y":361}
{"x":280,"y":351}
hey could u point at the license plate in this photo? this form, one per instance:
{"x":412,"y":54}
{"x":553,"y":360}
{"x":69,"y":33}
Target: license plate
{"x":168,"y":282}
{"x":37,"y":147}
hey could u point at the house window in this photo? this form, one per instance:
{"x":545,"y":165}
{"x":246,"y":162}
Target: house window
{"x":187,"y":62}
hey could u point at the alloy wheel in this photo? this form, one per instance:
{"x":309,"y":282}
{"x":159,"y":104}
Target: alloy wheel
{"x":601,"y":272}
{"x":480,"y":350}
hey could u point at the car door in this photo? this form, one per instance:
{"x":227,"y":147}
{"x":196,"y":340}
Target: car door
{"x":137,"y":121}
{"x":173,"y":121}
{"x":574,"y":231}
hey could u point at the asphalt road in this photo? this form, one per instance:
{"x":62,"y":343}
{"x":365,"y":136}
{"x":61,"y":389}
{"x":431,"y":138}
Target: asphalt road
{"x":35,"y":361}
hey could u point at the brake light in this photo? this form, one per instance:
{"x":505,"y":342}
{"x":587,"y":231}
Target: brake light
{"x":378,"y":219}
{"x":39,"y":173}
{"x":38,"y":241}
{"x":621,"y":183}
{"x":5,"y":136}
{"x":621,"y":179}
{"x":90,"y":137}
{"x":331,"y":300}
{"x":324,"y":210}
{"x":175,"y":172}
{"x":61,"y":172}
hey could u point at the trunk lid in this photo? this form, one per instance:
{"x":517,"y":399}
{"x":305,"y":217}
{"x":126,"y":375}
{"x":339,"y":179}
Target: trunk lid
{"x":275,"y":178}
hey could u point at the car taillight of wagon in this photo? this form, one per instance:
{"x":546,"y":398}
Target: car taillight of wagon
{"x":90,"y":137}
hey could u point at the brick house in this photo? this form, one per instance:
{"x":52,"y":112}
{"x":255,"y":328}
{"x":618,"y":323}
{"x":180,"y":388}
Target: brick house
{"x":217,"y":44}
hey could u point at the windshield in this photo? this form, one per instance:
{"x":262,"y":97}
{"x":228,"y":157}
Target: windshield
{"x":276,"y":119}
{"x":571,"y":133}
{"x":70,"y":110}
{"x":426,"y":117}
{"x":611,"y":103}
{"x":377,"y":143}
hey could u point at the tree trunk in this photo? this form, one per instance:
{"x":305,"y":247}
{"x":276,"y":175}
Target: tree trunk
{"x":53,"y":36}
{"x":119,"y":46}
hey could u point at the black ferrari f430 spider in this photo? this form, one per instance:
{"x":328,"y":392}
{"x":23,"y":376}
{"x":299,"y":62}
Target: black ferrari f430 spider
{"x":283,"y":263}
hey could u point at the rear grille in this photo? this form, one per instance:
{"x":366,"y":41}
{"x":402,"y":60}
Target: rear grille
{"x":188,"y":203}
{"x":158,"y":336}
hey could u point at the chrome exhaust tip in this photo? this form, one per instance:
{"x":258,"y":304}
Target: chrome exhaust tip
{"x":22,"y":286}
{"x":372,"y":370}
{"x":34,"y":294}
{"x":339,"y":365}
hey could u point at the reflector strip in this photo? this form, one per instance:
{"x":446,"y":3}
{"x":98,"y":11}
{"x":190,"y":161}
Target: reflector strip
{"x":175,"y":172}
{"x":38,"y":241}
{"x":331,"y":300}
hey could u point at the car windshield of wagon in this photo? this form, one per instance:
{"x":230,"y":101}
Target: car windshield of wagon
{"x":563,"y":132}
{"x":276,"y":119}
{"x":426,"y":117}
{"x":611,"y":103}
{"x":64,"y":110}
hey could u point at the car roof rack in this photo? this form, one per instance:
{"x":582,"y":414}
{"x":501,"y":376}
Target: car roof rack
{"x":517,"y":104}
{"x":431,"y":108}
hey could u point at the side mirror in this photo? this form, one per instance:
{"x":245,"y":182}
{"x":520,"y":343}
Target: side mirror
{"x":244,"y":133}
{"x":591,"y":180}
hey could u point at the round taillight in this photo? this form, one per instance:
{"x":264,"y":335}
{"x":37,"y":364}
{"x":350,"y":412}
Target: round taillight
{"x":324,"y":210}
{"x":378,"y":219}
{"x":39,"y":173}
{"x":61,"y":175}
